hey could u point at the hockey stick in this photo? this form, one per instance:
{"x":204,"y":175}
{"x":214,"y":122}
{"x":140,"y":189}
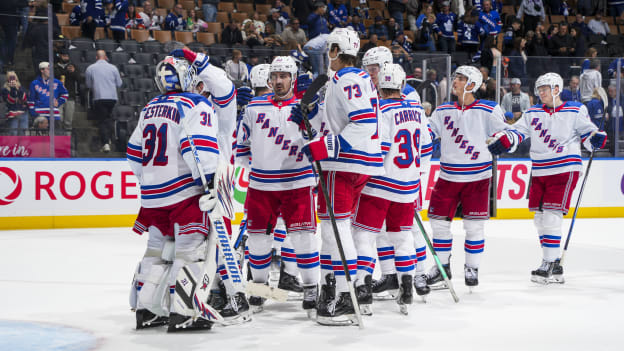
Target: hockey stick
{"x":316,"y":85}
{"x":435,"y":257}
{"x":494,"y":194}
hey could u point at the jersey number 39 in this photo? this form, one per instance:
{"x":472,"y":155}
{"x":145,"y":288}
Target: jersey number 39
{"x":409,"y":148}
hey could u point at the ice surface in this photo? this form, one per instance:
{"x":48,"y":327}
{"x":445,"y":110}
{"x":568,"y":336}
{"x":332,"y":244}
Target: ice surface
{"x":80,"y":278}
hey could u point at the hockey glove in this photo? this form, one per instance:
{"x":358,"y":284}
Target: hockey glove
{"x":243,"y":96}
{"x":207,"y":202}
{"x":598,"y":139}
{"x":303,"y":83}
{"x":500,"y":142}
{"x":185,"y":54}
{"x":322,"y":148}
{"x":297,"y":113}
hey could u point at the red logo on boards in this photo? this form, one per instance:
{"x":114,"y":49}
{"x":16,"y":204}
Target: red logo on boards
{"x":16,"y":186}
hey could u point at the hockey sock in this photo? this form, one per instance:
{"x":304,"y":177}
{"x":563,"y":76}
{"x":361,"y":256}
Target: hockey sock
{"x":289,"y":259}
{"x":307,"y":258}
{"x":474,"y":244}
{"x":442,"y":239}
{"x":421,"y":248}
{"x":364,"y":241}
{"x":329,"y":245}
{"x":385,"y":252}
{"x":405,"y":256}
{"x":259,"y":256}
{"x":550,"y":234}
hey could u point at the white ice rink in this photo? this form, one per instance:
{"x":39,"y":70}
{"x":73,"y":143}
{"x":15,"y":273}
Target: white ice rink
{"x":68,"y":290}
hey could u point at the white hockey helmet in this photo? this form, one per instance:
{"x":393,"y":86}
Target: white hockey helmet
{"x":173,"y":74}
{"x":284,"y":64}
{"x":377,"y":56}
{"x":259,"y":76}
{"x":391,"y":76}
{"x":472,"y":74}
{"x":552,"y":80}
{"x":348,"y":41}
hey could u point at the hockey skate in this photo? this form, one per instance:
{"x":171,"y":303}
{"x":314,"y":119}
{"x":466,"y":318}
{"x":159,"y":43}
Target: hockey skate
{"x":471,"y":276}
{"x":218,"y":297}
{"x":328,"y":291}
{"x":364,"y":294}
{"x":435,"y":280}
{"x":558,"y":272}
{"x":310,"y":294}
{"x":291,"y":284}
{"x":146,"y":319}
{"x":405,"y":293}
{"x":256,"y":303}
{"x":339,"y":311}
{"x":386,"y":288}
{"x":544,"y":274}
{"x":421,"y":287}
{"x":178,"y":322}
{"x":236,"y":310}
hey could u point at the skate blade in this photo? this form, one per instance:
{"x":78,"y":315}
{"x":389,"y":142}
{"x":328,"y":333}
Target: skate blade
{"x":243,"y":317}
{"x":366,"y":310}
{"x":403,"y":308}
{"x":439,"y":286}
{"x":344,"y":320}
{"x":294,"y":296}
{"x":558,"y":279}
{"x":386,"y":295}
{"x":153,"y":323}
{"x":542,"y":280}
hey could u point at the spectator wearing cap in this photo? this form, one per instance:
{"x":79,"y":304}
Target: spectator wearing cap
{"x":337,"y":14}
{"x":533,"y":12}
{"x":378,"y":29}
{"x":39,"y":96}
{"x":174,"y":20}
{"x":317,"y":24}
{"x":293,"y":33}
{"x":278,"y":22}
{"x":444,"y":26}
{"x":516,"y":101}
{"x":512,"y":32}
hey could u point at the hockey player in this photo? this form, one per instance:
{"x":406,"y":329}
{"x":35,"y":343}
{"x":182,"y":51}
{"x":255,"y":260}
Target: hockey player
{"x":465,"y":171}
{"x":557,"y":130}
{"x":160,"y":156}
{"x":350,"y":151}
{"x":280,"y":181}
{"x":390,"y":198}
{"x":373,"y":61}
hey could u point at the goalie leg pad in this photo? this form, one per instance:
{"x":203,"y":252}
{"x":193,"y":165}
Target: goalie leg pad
{"x":475,"y":243}
{"x":190,"y":250}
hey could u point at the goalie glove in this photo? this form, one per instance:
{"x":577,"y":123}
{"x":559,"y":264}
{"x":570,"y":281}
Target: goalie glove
{"x":598,"y":139}
{"x":501,"y":142}
{"x":324,"y":147}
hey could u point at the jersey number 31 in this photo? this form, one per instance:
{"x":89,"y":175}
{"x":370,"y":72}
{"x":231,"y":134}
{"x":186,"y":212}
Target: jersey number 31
{"x":155,"y":140}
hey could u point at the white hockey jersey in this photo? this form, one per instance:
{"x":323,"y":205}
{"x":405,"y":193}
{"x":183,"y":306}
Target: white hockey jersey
{"x":556,"y":136}
{"x":406,"y":143}
{"x":464,"y":153}
{"x":274,"y":145}
{"x":160,"y":155}
{"x":409,"y":93}
{"x":350,"y":111}
{"x":223,"y":96}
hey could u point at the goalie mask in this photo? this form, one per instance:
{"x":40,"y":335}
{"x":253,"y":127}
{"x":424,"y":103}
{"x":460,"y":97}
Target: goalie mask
{"x":391,"y":76}
{"x":552,"y":80}
{"x":174,"y":74}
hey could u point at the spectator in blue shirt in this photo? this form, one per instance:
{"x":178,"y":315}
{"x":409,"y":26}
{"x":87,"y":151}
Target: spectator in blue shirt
{"x":358,"y":26}
{"x":379,"y":29}
{"x":317,"y":24}
{"x":174,"y":20}
{"x":580,"y":25}
{"x":337,"y":14}
{"x":511,"y":32}
{"x":595,"y":108}
{"x":75,"y":17}
{"x":424,"y":23}
{"x":403,"y":41}
{"x":445,"y":27}
{"x":489,"y":18}
{"x":572,"y":93}
{"x":469,"y":31}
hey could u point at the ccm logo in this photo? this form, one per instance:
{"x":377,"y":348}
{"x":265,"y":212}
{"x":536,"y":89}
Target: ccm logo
{"x":45,"y":181}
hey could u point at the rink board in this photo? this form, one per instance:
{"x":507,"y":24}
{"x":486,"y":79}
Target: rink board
{"x":82,"y":193}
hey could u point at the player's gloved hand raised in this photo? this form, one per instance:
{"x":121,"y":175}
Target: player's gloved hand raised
{"x":303,"y":83}
{"x":500,"y":142}
{"x":598,"y":139}
{"x":184,"y":53}
{"x":243,"y":96}
{"x":321,"y":148}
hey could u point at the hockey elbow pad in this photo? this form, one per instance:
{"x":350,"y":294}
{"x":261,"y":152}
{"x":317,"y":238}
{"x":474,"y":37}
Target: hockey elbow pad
{"x":501,"y":142}
{"x":322,"y":148}
{"x":598,"y":140}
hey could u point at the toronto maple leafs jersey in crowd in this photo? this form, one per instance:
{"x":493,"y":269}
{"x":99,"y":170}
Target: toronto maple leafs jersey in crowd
{"x":406,"y":145}
{"x":272,"y":144}
{"x":160,"y":155}
{"x":350,"y":111}
{"x":556,"y":136}
{"x":464,"y":153}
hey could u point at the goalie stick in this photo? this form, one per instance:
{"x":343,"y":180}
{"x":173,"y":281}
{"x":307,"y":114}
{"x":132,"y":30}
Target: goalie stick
{"x":307,"y":98}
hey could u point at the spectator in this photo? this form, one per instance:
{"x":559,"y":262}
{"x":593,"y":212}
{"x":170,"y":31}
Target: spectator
{"x":579,"y":42}
{"x":251,"y":36}
{"x":67,"y":73}
{"x":209,"y":9}
{"x":194,"y":23}
{"x":428,"y":90}
{"x":533,"y":12}
{"x":572,"y":93}
{"x":302,"y":9}
{"x":613,"y":117}
{"x":616,"y":7}
{"x":612,"y":71}
{"x":427,"y":107}
{"x":589,"y":54}
{"x":490,"y":20}
{"x":255,"y":18}
{"x":358,"y":26}
{"x":174,"y":20}
{"x":316,"y":48}
{"x":489,"y":53}
{"x":512,"y":32}
{"x":231,"y":34}
{"x":75,"y":17}
{"x":590,"y":80}
{"x":280,"y":7}
{"x":362,"y":12}
{"x":378,"y":29}
{"x":277,"y":21}
{"x":393,"y":29}
{"x":14,"y":95}
{"x":118,"y":20}
{"x":417,"y":73}
{"x":93,"y":14}
{"x":404,"y":42}
{"x":595,"y":107}
{"x":235,"y":68}
{"x":598,"y":26}
{"x":580,"y":25}
{"x":424,"y":24}
{"x":412,"y":7}
{"x":396,"y":9}
{"x":337,"y":14}
{"x":41,"y":126}
{"x":103,"y":79}
{"x":294,"y":33}
{"x":516,"y":101}
{"x":487,"y":90}
{"x":151,"y":19}
{"x":563,"y":45}
{"x":253,"y":61}
{"x":372,"y":42}
{"x":317,"y":24}
{"x":23,"y":9}
{"x":39,"y":96}
{"x":468,"y":32}
{"x":134,"y":19}
{"x":444,"y":26}
{"x":400,"y":57}
{"x":518,"y":59}
{"x":37,"y":39}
